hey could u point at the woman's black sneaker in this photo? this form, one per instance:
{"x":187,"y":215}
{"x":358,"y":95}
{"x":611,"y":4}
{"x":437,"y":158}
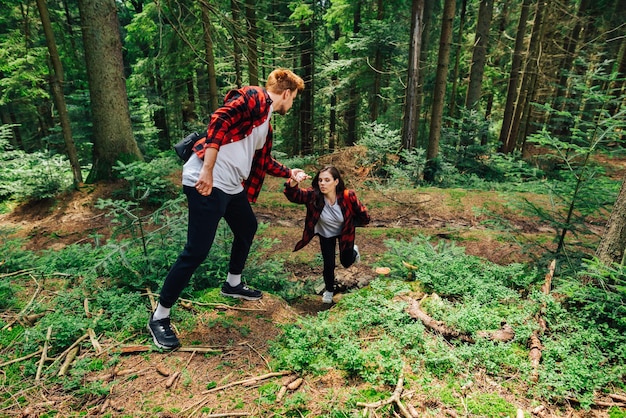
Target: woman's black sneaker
{"x":240,"y":291}
{"x":162,"y":333}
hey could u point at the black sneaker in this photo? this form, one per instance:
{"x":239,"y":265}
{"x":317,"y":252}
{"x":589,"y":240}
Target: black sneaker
{"x":162,"y":333}
{"x":240,"y":291}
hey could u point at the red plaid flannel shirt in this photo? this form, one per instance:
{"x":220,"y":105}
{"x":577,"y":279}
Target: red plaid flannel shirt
{"x":354,"y":214}
{"x":244,"y":110}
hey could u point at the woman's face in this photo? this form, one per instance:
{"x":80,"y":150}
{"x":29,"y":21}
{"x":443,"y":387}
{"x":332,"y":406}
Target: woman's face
{"x":327,"y":183}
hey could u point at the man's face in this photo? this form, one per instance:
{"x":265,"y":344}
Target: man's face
{"x":286,"y":102}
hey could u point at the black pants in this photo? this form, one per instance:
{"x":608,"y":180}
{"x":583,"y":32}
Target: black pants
{"x":346,"y":258}
{"x":205,"y":213}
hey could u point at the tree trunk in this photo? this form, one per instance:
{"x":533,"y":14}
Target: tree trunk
{"x":530,"y":69}
{"x":378,"y":68}
{"x":57,"y":93}
{"x":160,"y":115}
{"x":457,"y":58}
{"x":507,"y":143}
{"x":613,"y":243}
{"x":569,"y":46}
{"x":210,"y":58}
{"x":234,"y":10}
{"x":427,"y":18}
{"x":112,"y":131}
{"x":189,"y":104}
{"x":332,"y":126}
{"x":409,"y":131}
{"x":251,"y":42}
{"x":306,"y":103}
{"x":439,"y":90}
{"x":353,"y":96}
{"x":479,"y":54}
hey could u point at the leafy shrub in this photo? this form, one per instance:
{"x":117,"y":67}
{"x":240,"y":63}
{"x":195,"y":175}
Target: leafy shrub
{"x":12,"y":256}
{"x":31,"y":176}
{"x":7,"y":294}
{"x":149,"y":181}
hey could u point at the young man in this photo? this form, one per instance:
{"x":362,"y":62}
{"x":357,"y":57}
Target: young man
{"x":222,"y":177}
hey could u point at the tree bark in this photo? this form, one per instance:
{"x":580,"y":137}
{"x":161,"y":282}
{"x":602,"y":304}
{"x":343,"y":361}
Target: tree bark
{"x":210,"y":58}
{"x":306,"y":103}
{"x":377,"y":67}
{"x":457,"y":58}
{"x":427,"y":18}
{"x":569,"y":46}
{"x":332,"y":125}
{"x":235,"y":12}
{"x":251,"y":42}
{"x":439,"y":91}
{"x":613,"y":243}
{"x":507,"y":144}
{"x":353,"y":96}
{"x":479,"y":54}
{"x":530,"y":70}
{"x":113,"y":138}
{"x":56,"y":83}
{"x":409,"y":131}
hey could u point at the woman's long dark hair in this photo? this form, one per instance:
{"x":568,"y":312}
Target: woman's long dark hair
{"x":341,"y":186}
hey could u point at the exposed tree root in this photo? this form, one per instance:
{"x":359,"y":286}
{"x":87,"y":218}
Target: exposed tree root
{"x":415,"y":311}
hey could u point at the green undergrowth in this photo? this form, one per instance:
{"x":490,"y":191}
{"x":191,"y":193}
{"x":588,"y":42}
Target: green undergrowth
{"x":369,"y":335}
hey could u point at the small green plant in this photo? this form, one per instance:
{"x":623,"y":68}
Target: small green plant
{"x":148,"y":181}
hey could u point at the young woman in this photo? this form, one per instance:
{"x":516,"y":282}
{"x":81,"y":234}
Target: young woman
{"x":332,"y":213}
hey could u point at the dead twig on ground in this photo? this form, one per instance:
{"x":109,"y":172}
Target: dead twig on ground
{"x":68,"y":361}
{"x":395,"y":398}
{"x":30,"y":302}
{"x":202,"y":401}
{"x":535,"y":345}
{"x":70,"y":348}
{"x":17,"y":360}
{"x":216,"y":305}
{"x":267,"y":363}
{"x":44,"y":354}
{"x":174,"y":377}
{"x":151,"y":295}
{"x":94,"y":341}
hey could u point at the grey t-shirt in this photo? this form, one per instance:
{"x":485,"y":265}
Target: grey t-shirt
{"x":233,"y":163}
{"x":330,"y":221}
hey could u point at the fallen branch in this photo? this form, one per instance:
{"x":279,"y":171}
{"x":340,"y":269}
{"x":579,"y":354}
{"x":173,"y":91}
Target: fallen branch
{"x":172,"y":379}
{"x":415,"y":311}
{"x":151,"y":295}
{"x":247,"y":381}
{"x":68,"y":361}
{"x":536,"y":348}
{"x":615,"y":396}
{"x":15,"y":273}
{"x":44,"y":354}
{"x":216,"y":305}
{"x":70,"y":348}
{"x":94,"y":340}
{"x":609,"y":404}
{"x":130,"y":349}
{"x":170,"y":382}
{"x":17,"y":360}
{"x":395,"y":398}
{"x":202,"y":401}
{"x":30,"y":302}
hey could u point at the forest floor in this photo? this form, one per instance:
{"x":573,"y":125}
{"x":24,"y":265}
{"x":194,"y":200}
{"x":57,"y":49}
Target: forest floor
{"x":227,"y":381}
